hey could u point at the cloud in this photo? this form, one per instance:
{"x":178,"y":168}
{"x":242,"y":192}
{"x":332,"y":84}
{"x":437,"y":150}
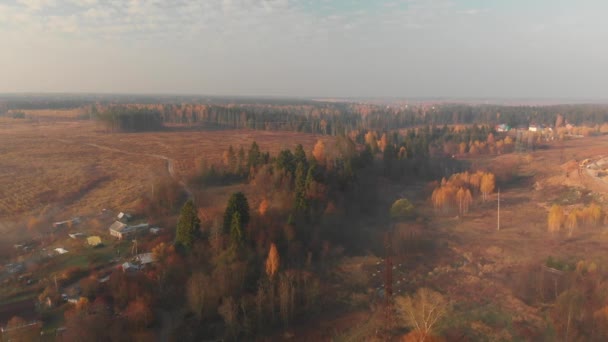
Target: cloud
{"x":37,"y":5}
{"x":473,"y":11}
{"x":178,"y":19}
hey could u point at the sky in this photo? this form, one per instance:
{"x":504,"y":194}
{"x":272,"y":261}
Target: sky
{"x":309,"y":48}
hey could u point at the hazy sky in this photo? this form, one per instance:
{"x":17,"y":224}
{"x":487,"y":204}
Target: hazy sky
{"x":410,"y":48}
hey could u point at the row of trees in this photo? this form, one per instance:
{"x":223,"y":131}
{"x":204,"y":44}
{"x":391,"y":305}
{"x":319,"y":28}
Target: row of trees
{"x":589,"y":216}
{"x":459,"y":190}
{"x":342,"y":118}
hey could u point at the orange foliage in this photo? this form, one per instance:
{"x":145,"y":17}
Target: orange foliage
{"x":319,"y":152}
{"x":263,"y":208}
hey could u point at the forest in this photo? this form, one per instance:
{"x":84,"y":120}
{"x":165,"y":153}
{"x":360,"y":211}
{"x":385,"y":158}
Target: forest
{"x":270,"y":262}
{"x":340,"y":118}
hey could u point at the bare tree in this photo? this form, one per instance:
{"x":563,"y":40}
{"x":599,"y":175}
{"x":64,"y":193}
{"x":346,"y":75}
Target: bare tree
{"x":422,"y":311}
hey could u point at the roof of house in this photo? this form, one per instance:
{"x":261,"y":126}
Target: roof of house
{"x":118,"y":226}
{"x":76,"y":235}
{"x":123,"y":215}
{"x":94,"y":240}
{"x":145,"y":258}
{"x":60,"y":250}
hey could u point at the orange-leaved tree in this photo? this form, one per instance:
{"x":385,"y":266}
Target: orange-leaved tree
{"x":273,"y":261}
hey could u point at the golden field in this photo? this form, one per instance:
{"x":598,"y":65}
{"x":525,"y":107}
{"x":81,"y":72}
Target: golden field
{"x":55,"y":170}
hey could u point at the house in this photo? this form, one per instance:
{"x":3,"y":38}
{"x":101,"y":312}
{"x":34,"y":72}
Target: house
{"x":123,"y":217}
{"x":534,"y":128}
{"x":155,"y":230}
{"x":60,"y":251}
{"x":121,"y":230}
{"x":144,"y":258}
{"x":140,"y":261}
{"x":94,"y":241}
{"x":502,"y":128}
{"x":73,"y":300}
{"x":117,"y":228}
{"x":76,"y":235}
{"x":129,"y":267}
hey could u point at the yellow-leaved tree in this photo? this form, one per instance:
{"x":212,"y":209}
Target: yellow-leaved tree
{"x":372,"y":141}
{"x":555,"y":218}
{"x":572,"y":221}
{"x":488,"y":182}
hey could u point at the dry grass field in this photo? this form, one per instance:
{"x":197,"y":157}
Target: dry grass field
{"x":487,"y":268}
{"x":55,"y":170}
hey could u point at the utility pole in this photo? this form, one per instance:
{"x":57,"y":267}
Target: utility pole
{"x":498,"y":220}
{"x":388,"y":281}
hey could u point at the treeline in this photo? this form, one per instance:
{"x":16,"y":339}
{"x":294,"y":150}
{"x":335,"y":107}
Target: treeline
{"x":126,"y":119}
{"x":342,"y":118}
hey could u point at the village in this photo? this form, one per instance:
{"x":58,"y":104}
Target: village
{"x":69,"y":251}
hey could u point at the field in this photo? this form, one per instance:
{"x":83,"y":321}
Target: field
{"x":490,"y":276}
{"x":56,"y":170}
{"x":488,"y":273}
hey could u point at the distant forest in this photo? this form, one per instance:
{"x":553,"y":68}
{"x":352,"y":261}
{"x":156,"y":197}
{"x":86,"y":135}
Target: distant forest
{"x":147,"y":112}
{"x":338,"y":118}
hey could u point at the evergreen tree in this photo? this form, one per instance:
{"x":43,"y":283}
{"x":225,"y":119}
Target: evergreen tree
{"x":240,"y":161}
{"x":188,"y":226}
{"x":286,"y":161}
{"x":230,"y":159}
{"x":301,"y":203}
{"x":254,"y":157}
{"x":388,"y":158}
{"x":300,"y":156}
{"x":236,"y":230}
{"x":236,"y":203}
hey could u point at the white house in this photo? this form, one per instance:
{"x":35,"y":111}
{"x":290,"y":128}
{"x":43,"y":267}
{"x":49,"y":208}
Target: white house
{"x":117,"y":229}
{"x":121,"y":230}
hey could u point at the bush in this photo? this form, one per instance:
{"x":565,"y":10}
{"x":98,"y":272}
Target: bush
{"x":402,"y":209}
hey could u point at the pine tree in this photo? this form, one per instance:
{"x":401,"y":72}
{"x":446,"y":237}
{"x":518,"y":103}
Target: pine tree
{"x":188,"y":226}
{"x":300,"y":156}
{"x":230,"y":159}
{"x":240,"y":161}
{"x":301,"y":202}
{"x":236,"y":230}
{"x":254,"y":157}
{"x":285,"y":161}
{"x":236,"y":203}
